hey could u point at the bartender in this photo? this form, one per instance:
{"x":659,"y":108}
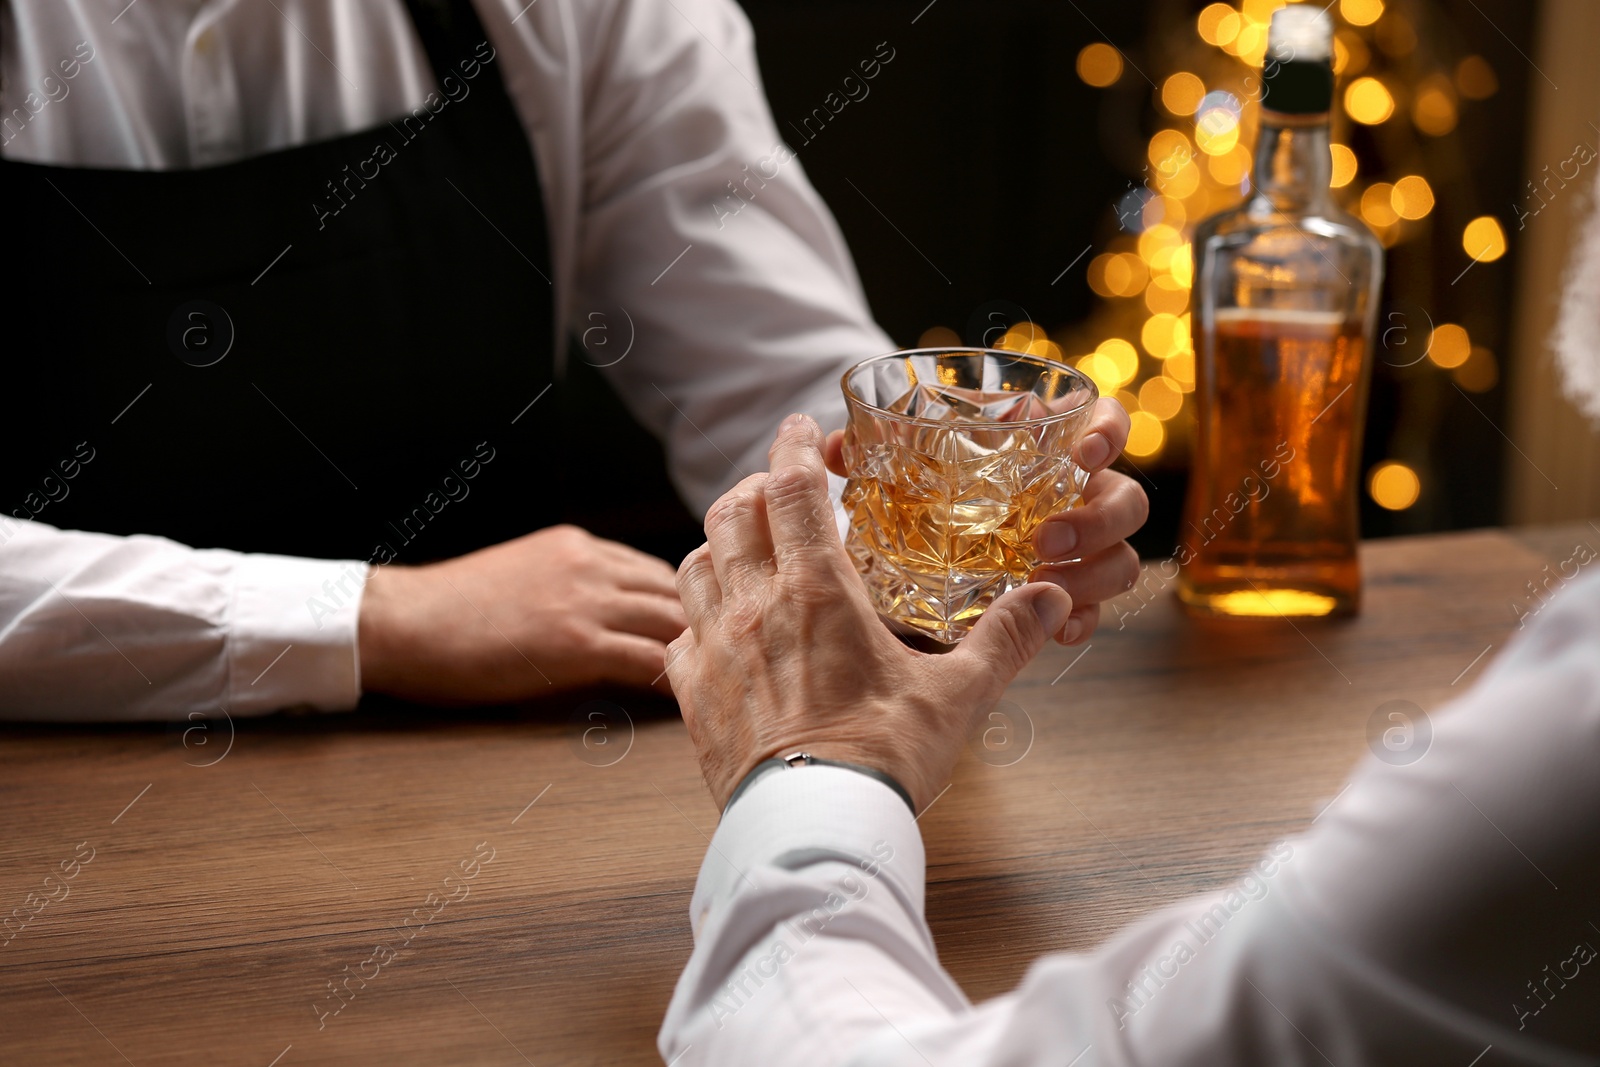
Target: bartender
{"x":290,"y":286}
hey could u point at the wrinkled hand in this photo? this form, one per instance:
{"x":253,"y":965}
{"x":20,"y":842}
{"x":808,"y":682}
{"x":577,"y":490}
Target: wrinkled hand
{"x":1084,"y":549}
{"x":554,"y":610}
{"x":785,"y":652}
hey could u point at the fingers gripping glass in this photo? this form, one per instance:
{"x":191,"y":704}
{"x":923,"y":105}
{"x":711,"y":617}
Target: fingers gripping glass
{"x":955,"y":456}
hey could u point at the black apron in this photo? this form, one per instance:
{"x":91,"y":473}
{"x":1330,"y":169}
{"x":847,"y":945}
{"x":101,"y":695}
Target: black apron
{"x":337,"y":350}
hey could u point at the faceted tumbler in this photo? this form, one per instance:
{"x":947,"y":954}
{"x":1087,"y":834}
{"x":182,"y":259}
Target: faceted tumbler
{"x":955,"y":456}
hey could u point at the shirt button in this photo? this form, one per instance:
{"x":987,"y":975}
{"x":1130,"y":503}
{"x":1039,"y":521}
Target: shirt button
{"x":204,"y":43}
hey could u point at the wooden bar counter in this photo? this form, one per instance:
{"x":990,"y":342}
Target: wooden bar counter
{"x":513,"y":887}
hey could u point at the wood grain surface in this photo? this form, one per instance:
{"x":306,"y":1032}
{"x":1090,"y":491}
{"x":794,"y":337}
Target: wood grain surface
{"x":507,"y":888}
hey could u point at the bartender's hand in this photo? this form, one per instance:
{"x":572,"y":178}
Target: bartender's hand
{"x":553,"y":610}
{"x":785,"y":652}
{"x":1083,"y":550}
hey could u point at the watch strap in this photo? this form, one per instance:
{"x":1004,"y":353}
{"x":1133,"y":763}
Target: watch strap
{"x":805,"y":759}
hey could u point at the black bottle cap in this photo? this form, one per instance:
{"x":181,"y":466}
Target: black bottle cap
{"x":1297,"y":86}
{"x":1297,"y":70}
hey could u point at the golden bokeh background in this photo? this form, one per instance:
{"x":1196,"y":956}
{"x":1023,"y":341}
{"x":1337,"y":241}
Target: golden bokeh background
{"x":1137,"y":344}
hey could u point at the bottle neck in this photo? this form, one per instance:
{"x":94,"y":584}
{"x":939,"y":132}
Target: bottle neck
{"x":1293,"y":168}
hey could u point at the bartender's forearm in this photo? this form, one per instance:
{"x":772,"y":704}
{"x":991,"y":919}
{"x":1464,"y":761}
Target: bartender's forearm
{"x":98,"y":628}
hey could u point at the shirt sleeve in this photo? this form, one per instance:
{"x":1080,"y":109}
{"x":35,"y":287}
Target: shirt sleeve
{"x":706,"y":255}
{"x":100,"y":628}
{"x":1438,"y":908}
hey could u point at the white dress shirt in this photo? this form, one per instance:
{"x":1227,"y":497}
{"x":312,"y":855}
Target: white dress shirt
{"x":1433,"y":911}
{"x":740,"y":301}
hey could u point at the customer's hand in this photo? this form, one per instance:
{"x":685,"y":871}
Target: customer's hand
{"x":785,"y":651}
{"x":1084,"y":549}
{"x":554,"y":610}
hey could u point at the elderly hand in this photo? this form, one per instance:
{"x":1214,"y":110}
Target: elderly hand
{"x":1083,"y":550}
{"x":784,"y":651}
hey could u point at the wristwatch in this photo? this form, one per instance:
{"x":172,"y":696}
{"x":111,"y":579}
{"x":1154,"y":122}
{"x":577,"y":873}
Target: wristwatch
{"x":806,"y":759}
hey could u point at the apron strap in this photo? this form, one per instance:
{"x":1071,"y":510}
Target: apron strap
{"x":450,"y":30}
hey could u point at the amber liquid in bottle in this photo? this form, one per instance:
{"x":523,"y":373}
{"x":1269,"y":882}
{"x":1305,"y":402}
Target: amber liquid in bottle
{"x":1285,"y":294}
{"x":1281,"y":534}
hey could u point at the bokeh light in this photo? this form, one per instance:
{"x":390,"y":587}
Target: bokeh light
{"x":1028,"y":336}
{"x":1476,"y":78}
{"x":1169,"y":151}
{"x":1182,"y":92}
{"x":1100,"y":371}
{"x":1360,"y":56}
{"x":1217,"y":138}
{"x":1434,"y":110}
{"x":1396,"y":36}
{"x":1180,"y":368}
{"x":1166,"y":295}
{"x":1412,"y":197}
{"x":1126,"y":275}
{"x":1261,"y":10}
{"x":1209,"y":24}
{"x":1230,"y":168}
{"x":1138,"y":273}
{"x":1111,"y":366}
{"x":1394,"y":485}
{"x":1449,"y":345}
{"x":1099,"y":65}
{"x":1145,"y":434}
{"x":939,"y":337}
{"x":1344,"y":165}
{"x":1251,"y":44}
{"x":1228,"y":30}
{"x":1158,"y":243}
{"x":1161,"y":398}
{"x":1368,"y":101}
{"x":1479,"y":373}
{"x":1182,"y":265}
{"x":1483,"y":239}
{"x":1122,"y":356}
{"x":1361,"y":12}
{"x":1216,"y":124}
{"x":1377,"y":205}
{"x":1166,"y":209}
{"x":1159,"y":337}
{"x":1219,"y":100}
{"x":1181,"y":182}
{"x":1096,"y":274}
{"x":1044,"y":348}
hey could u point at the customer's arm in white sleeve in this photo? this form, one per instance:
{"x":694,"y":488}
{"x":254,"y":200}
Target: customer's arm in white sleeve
{"x":1435,"y":910}
{"x":97,"y":628}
